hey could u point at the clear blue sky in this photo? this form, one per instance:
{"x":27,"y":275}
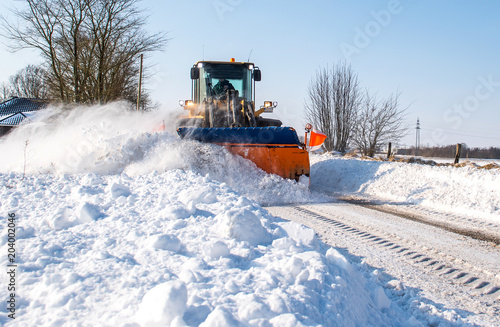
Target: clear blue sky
{"x":443,"y":56}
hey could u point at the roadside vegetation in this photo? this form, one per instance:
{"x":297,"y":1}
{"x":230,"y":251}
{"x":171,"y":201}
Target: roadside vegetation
{"x":90,"y":50}
{"x":351,"y":117}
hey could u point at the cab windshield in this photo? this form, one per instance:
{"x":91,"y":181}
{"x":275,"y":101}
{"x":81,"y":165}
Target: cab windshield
{"x":215,"y":79}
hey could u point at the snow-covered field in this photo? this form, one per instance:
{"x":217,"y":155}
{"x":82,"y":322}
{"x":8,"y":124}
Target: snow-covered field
{"x":117,"y":225}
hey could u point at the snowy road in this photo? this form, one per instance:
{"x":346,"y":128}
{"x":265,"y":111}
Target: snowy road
{"x":452,"y":271}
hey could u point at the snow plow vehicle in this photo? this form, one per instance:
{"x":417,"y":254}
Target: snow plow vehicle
{"x":222,"y":111}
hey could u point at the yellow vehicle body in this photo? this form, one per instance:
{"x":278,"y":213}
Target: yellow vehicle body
{"x":222,"y":111}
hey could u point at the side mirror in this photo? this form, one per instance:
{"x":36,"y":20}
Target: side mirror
{"x":195,"y":73}
{"x":257,"y":75}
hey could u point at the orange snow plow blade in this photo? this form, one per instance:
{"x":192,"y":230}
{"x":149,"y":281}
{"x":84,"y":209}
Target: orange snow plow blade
{"x":276,"y":150}
{"x":282,"y":161}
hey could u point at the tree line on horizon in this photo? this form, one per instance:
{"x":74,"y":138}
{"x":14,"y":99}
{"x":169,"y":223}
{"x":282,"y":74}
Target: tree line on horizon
{"x":449,"y":151}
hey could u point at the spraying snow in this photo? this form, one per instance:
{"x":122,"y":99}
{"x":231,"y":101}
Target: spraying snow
{"x":113,"y":140}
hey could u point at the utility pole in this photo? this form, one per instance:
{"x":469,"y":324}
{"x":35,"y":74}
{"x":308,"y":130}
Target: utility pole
{"x":140,"y":85}
{"x":417,"y":137}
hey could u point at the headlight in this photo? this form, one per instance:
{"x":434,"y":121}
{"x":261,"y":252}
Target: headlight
{"x":186,"y":103}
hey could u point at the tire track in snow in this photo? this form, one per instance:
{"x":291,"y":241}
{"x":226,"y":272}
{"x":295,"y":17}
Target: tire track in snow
{"x":438,"y":272}
{"x":489,"y":290}
{"x":453,"y":224}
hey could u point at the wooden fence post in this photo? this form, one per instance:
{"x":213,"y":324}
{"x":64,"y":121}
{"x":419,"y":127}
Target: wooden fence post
{"x":457,"y":155}
{"x":389,"y":150}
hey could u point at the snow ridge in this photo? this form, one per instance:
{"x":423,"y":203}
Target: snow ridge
{"x":465,"y":190}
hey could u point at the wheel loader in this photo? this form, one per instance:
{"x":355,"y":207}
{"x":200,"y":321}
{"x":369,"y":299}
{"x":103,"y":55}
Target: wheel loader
{"x":222,"y":111}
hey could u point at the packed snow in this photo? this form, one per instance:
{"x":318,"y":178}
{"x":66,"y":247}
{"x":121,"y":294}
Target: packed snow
{"x":119,"y":225}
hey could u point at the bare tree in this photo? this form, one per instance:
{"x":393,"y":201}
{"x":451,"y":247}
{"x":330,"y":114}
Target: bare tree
{"x":5,"y":92}
{"x":90,"y":46}
{"x":346,"y":99}
{"x":333,"y":99}
{"x":378,"y":123}
{"x":29,"y":82}
{"x":117,"y":28}
{"x":41,"y":31}
{"x":319,"y":106}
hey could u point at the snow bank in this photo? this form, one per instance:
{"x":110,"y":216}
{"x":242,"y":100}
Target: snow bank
{"x":465,"y":190}
{"x":174,"y":249}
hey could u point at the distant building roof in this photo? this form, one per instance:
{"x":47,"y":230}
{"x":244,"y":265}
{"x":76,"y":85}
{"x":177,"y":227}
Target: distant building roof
{"x":15,"y":110}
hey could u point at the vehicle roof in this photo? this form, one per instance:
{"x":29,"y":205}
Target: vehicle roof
{"x":223,"y":62}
